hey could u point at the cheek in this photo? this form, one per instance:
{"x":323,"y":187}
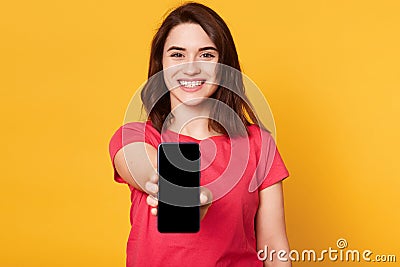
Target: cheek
{"x":212,"y":89}
{"x":168,"y":66}
{"x":166,"y":62}
{"x":170,"y":73}
{"x":210,"y":71}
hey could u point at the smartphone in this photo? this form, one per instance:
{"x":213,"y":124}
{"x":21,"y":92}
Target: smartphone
{"x":179,"y":188}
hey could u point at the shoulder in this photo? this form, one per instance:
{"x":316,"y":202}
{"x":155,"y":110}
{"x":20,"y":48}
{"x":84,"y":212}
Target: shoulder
{"x":135,"y":132}
{"x":137,"y":127}
{"x":258,"y":134}
{"x":261,"y":141}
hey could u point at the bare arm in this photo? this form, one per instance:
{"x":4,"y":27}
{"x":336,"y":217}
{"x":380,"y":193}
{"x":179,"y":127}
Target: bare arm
{"x":136,"y":163}
{"x":270,"y":226}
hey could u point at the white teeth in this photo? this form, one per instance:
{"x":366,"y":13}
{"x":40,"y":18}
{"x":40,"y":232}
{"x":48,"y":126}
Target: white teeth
{"x":191,"y":84}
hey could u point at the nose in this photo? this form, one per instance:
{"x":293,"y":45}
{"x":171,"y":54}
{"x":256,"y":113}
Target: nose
{"x":191,"y":68}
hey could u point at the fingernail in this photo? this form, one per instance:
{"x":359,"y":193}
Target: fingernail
{"x":203,"y":198}
{"x":150,"y":187}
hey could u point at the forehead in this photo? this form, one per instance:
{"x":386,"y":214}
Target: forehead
{"x":189,"y":36}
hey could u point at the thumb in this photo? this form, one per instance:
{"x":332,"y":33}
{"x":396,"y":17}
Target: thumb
{"x":205,"y":196}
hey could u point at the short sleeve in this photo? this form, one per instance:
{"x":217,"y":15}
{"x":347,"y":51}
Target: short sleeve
{"x":276,"y":173}
{"x":131,"y":133}
{"x":270,"y":166}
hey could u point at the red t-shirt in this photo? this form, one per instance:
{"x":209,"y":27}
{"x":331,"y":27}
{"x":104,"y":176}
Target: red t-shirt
{"x":235,"y":170}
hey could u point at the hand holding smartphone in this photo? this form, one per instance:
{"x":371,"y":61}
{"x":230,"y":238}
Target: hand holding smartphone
{"x":179,"y":188}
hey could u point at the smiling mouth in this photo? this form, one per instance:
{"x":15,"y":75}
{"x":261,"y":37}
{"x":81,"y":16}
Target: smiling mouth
{"x":191,"y":84}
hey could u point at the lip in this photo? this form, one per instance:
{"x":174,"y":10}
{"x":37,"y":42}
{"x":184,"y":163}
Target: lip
{"x":191,"y":89}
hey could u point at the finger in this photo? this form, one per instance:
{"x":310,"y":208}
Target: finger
{"x":154,"y":178}
{"x":205,"y":196}
{"x":152,"y":201}
{"x":151,"y":187}
{"x":153,"y":211}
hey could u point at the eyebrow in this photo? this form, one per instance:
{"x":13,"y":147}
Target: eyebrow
{"x":200,"y":49}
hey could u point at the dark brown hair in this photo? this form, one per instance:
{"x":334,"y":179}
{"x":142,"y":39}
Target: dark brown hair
{"x":155,"y":95}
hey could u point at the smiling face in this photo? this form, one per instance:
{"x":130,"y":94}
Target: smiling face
{"x":189,"y":63}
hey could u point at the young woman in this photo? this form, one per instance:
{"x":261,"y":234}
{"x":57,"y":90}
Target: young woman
{"x":187,"y":99}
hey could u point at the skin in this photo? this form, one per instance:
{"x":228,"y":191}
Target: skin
{"x":188,"y":55}
{"x":141,"y":172}
{"x":184,"y":48}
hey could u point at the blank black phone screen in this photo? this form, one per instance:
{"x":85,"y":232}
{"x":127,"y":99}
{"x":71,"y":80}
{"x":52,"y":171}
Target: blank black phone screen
{"x":179,"y":193}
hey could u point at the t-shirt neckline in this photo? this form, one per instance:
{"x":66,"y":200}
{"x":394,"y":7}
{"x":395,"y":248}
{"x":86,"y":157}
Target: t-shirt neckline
{"x":198,"y":140}
{"x":188,"y":136}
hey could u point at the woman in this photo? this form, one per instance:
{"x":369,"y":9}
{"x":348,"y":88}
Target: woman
{"x":199,"y":97}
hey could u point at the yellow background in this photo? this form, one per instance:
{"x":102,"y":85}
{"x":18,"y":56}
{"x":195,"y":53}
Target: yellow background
{"x":329,"y":69}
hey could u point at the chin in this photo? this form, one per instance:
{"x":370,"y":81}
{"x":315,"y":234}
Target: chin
{"x":192,"y":101}
{"x":188,"y":98}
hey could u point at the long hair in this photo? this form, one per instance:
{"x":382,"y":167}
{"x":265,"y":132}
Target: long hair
{"x":155,"y":94}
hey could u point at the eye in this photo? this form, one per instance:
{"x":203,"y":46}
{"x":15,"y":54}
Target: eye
{"x":207,"y":55}
{"x":177,"y":54}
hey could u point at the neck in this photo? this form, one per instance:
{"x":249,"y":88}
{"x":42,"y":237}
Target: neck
{"x":192,"y":120}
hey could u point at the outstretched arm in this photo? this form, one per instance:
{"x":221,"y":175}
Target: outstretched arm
{"x":136,"y":163}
